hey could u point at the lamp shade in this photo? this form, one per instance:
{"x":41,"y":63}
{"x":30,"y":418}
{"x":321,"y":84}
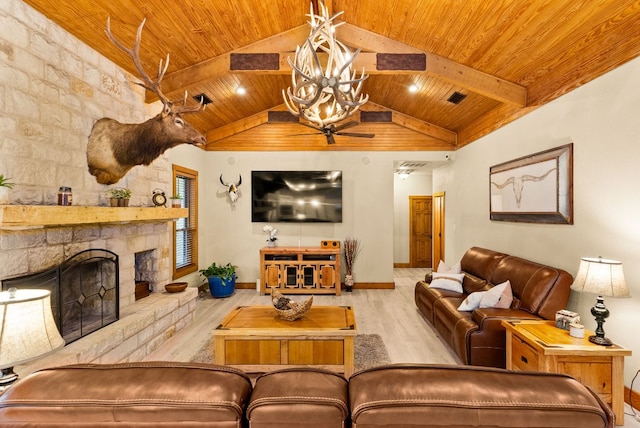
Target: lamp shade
{"x":602,"y":277}
{"x":27,"y":327}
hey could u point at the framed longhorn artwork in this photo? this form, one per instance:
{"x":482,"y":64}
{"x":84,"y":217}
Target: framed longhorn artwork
{"x":537,"y":188}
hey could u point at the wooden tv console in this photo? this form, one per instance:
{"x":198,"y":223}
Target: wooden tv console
{"x":300,"y":270}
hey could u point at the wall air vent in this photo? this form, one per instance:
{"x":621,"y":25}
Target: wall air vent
{"x":202,"y":98}
{"x":281,"y":117}
{"x":456,"y":98}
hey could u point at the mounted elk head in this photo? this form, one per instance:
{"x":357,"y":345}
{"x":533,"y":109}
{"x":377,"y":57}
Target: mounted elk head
{"x":233,"y":189}
{"x":114,"y":148}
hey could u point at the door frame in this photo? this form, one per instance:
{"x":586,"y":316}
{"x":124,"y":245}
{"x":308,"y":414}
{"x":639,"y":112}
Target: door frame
{"x":437,"y":214}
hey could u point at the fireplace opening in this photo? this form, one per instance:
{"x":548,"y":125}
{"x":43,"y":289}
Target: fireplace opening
{"x":84,"y":292}
{"x":146,"y":272}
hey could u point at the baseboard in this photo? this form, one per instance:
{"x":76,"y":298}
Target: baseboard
{"x":246,"y":285}
{"x":401,"y":265}
{"x":635,"y":397}
{"x":372,"y":286}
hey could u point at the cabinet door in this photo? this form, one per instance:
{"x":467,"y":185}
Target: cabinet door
{"x":291,"y":276}
{"x":308,"y":275}
{"x":327,"y":276}
{"x":272,"y":276}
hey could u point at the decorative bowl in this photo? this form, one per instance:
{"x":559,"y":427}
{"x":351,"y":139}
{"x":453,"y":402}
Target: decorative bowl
{"x":287,"y":309}
{"x":176,"y":287}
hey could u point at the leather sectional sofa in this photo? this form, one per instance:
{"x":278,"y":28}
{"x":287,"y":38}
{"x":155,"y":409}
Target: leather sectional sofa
{"x":477,"y":336}
{"x":393,"y":396}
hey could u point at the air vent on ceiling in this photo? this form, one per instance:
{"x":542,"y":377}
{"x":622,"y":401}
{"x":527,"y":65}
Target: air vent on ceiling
{"x":412,"y":165}
{"x":403,"y":171}
{"x":456,"y":98}
{"x":202,"y":98}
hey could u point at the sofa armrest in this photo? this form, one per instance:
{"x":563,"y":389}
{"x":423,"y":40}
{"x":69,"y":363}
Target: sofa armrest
{"x":492,"y":317}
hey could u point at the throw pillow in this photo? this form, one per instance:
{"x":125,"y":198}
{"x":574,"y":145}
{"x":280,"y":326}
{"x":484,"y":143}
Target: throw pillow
{"x":447,"y":281}
{"x":506,"y":298}
{"x":492,"y":297}
{"x":444,"y":268}
{"x":472,"y":301}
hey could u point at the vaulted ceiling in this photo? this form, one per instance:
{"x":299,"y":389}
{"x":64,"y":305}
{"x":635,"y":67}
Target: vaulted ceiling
{"x":507,"y":57}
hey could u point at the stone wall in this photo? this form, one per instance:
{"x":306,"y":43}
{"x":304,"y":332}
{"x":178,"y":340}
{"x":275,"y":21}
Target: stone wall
{"x":52,"y":89}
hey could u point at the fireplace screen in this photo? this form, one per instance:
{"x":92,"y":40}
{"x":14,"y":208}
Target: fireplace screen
{"x":84,"y":292}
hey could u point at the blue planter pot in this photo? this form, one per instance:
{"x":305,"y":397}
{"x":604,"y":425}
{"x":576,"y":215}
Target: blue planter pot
{"x":220,"y":287}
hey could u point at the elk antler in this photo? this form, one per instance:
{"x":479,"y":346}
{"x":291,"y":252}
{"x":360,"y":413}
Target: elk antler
{"x":148,"y":83}
{"x":134,"y":54}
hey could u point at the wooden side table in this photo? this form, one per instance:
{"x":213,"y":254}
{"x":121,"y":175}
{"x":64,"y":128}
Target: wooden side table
{"x":541,"y":346}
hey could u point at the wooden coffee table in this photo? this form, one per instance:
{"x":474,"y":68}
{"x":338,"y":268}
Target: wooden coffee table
{"x":255,"y":339}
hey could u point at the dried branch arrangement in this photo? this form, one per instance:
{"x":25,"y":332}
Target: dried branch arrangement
{"x":351,"y":250}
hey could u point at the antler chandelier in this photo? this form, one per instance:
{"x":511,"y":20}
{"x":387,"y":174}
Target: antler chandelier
{"x":326,"y":91}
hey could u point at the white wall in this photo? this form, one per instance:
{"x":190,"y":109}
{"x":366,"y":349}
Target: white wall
{"x":416,"y":184}
{"x":228,"y":235}
{"x":601,"y":119}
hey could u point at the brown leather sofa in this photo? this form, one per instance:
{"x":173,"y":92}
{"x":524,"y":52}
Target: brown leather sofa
{"x":477,"y":336}
{"x":393,"y":396}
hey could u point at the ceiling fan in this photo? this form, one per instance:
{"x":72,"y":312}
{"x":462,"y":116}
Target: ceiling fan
{"x":331,"y":129}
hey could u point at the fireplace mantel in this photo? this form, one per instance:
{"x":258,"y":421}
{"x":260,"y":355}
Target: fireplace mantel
{"x":20,"y":217}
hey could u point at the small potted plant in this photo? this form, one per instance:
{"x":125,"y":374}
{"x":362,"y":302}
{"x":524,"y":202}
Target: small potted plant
{"x":119,"y":196}
{"x":5,"y":186}
{"x":176,"y":200}
{"x":273,"y":239}
{"x":222,"y":279}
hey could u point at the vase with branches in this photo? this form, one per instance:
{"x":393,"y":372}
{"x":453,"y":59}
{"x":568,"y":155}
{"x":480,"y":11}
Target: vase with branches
{"x":351,"y":250}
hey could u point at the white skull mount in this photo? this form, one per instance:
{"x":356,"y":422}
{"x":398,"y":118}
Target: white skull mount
{"x":233,"y":189}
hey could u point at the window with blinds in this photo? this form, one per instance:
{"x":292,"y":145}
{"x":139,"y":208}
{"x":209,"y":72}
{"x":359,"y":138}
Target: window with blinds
{"x":185,"y":236}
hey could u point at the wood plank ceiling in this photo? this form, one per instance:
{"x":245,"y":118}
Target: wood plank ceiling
{"x":507,"y":57}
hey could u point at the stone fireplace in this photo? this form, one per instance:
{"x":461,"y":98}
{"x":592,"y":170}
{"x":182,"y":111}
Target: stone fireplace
{"x":142,"y":326}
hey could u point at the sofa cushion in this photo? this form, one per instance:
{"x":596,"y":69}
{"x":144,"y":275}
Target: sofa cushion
{"x":299,"y":397}
{"x":167,"y":394}
{"x":427,"y":396}
{"x":480,"y":262}
{"x":531,"y":282}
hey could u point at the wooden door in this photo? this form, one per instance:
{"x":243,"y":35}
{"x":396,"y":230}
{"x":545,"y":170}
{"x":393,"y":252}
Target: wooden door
{"x":420,"y":231}
{"x":438,"y":228}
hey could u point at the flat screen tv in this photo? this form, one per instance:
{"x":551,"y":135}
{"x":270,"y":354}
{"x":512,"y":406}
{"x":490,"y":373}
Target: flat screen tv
{"x":296,"y":196}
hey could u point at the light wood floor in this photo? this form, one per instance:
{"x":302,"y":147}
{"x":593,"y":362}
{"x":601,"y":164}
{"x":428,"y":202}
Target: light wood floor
{"x":390,"y":313}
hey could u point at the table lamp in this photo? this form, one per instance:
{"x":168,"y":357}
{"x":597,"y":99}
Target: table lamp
{"x":27,"y":329}
{"x":604,"y":278}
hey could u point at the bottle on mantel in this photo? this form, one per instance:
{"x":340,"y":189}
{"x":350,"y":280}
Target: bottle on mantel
{"x":65,"y":197}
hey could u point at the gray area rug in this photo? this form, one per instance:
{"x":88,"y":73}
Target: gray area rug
{"x":369,"y":352}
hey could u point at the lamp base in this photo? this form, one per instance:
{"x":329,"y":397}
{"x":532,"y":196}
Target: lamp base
{"x":603,"y":341}
{"x":8,"y":376}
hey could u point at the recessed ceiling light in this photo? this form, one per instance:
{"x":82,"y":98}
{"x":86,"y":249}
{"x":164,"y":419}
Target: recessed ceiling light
{"x":413,"y":88}
{"x":241,"y":90}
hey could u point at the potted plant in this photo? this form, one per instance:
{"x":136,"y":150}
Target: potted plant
{"x":176,"y":200}
{"x":222,"y":279}
{"x":119,"y":196}
{"x":351,"y":251}
{"x":273,"y":239}
{"x":5,"y":186}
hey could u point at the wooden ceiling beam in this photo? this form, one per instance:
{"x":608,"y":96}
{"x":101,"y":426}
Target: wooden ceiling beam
{"x":373,"y":46}
{"x":409,"y":122}
{"x":429,"y":130}
{"x":436,"y":66}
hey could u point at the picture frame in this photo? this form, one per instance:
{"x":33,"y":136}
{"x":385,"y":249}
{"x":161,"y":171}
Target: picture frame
{"x":537,"y":188}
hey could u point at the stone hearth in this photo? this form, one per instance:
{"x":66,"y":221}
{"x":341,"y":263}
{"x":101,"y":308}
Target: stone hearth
{"x":142,"y":328}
